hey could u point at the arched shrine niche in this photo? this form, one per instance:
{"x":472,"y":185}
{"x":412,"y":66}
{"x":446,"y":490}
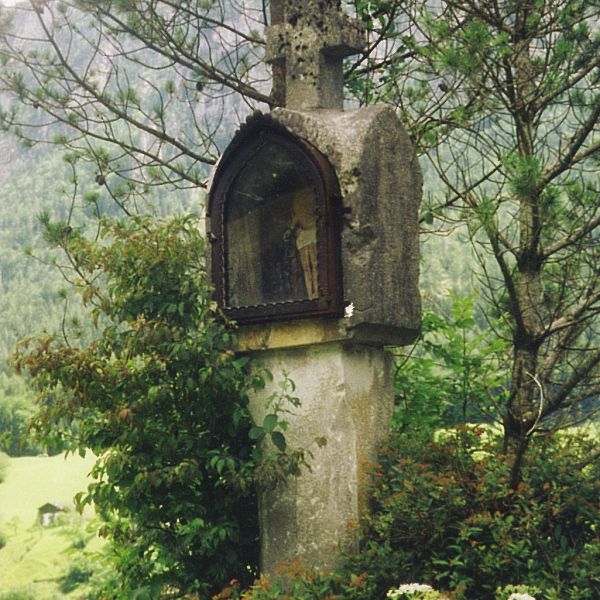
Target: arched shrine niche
{"x":274,"y":215}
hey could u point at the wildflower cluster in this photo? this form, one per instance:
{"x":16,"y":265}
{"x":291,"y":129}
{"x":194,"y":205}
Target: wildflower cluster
{"x":421,"y":590}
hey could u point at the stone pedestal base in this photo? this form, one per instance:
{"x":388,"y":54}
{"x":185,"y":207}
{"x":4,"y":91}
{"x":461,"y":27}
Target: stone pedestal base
{"x":346,"y":394}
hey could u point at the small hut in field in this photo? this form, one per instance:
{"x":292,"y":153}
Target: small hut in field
{"x":49,"y":512}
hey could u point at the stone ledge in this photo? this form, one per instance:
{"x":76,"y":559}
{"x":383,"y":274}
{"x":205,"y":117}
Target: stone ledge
{"x":312,"y":332}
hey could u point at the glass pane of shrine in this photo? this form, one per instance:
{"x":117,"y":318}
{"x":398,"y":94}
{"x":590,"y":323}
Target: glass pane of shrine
{"x":270,"y":226}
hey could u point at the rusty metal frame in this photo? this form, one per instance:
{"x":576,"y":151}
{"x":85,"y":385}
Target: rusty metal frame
{"x":258,"y":132}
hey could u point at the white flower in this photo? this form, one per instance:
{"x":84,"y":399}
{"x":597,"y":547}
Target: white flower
{"x":519,"y":596}
{"x":410,"y":588}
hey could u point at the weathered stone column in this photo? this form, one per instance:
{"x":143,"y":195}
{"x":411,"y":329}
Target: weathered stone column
{"x":342,"y":372}
{"x":347,"y":399}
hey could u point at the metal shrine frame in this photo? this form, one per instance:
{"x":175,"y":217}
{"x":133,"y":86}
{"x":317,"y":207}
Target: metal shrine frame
{"x":258,"y":132}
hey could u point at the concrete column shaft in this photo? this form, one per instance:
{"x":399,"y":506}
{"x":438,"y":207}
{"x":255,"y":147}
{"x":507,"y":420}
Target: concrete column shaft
{"x":346,"y":394}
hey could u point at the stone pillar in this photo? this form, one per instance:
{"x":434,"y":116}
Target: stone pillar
{"x":347,"y":399}
{"x":340,"y":366}
{"x":342,"y":373}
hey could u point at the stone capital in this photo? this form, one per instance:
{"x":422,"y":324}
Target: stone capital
{"x":336,"y":35}
{"x":311,"y":45}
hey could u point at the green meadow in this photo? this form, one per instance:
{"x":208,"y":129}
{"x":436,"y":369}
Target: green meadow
{"x":44,"y":562}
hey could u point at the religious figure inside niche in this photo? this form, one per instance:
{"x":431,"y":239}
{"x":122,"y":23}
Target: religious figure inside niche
{"x":304,"y":230}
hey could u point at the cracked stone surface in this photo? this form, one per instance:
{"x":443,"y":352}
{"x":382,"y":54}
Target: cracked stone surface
{"x":312,"y":42}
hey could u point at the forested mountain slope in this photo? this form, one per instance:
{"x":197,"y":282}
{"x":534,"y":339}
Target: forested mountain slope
{"x":37,"y":181}
{"x":31,"y":183}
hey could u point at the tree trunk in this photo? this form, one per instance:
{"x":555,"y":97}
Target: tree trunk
{"x":526,"y":392}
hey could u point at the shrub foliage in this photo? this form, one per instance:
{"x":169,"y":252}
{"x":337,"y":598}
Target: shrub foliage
{"x":443,"y":513}
{"x":161,"y":400}
{"x":16,"y":406}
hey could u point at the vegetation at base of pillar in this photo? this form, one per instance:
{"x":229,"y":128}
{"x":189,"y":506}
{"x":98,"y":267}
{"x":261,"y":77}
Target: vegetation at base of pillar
{"x":443,"y":515}
{"x":159,"y":397}
{"x":443,"y":511}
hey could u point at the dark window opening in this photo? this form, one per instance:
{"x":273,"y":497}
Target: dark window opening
{"x":274,"y":215}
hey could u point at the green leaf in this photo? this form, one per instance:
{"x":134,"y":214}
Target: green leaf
{"x":270,"y":423}
{"x":278,"y":440}
{"x":256,"y":433}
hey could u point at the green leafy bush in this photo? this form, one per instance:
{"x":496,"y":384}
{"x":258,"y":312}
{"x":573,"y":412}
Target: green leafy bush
{"x":443,"y":514}
{"x":454,"y":374}
{"x":296,"y":581}
{"x":14,"y":416}
{"x":77,"y":574}
{"x":160,"y":397}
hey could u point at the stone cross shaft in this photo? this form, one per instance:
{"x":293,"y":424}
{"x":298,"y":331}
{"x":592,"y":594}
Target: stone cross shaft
{"x":310,"y":45}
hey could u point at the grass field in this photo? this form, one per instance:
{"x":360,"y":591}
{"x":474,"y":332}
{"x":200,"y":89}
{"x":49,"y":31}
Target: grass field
{"x":35,"y":558}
